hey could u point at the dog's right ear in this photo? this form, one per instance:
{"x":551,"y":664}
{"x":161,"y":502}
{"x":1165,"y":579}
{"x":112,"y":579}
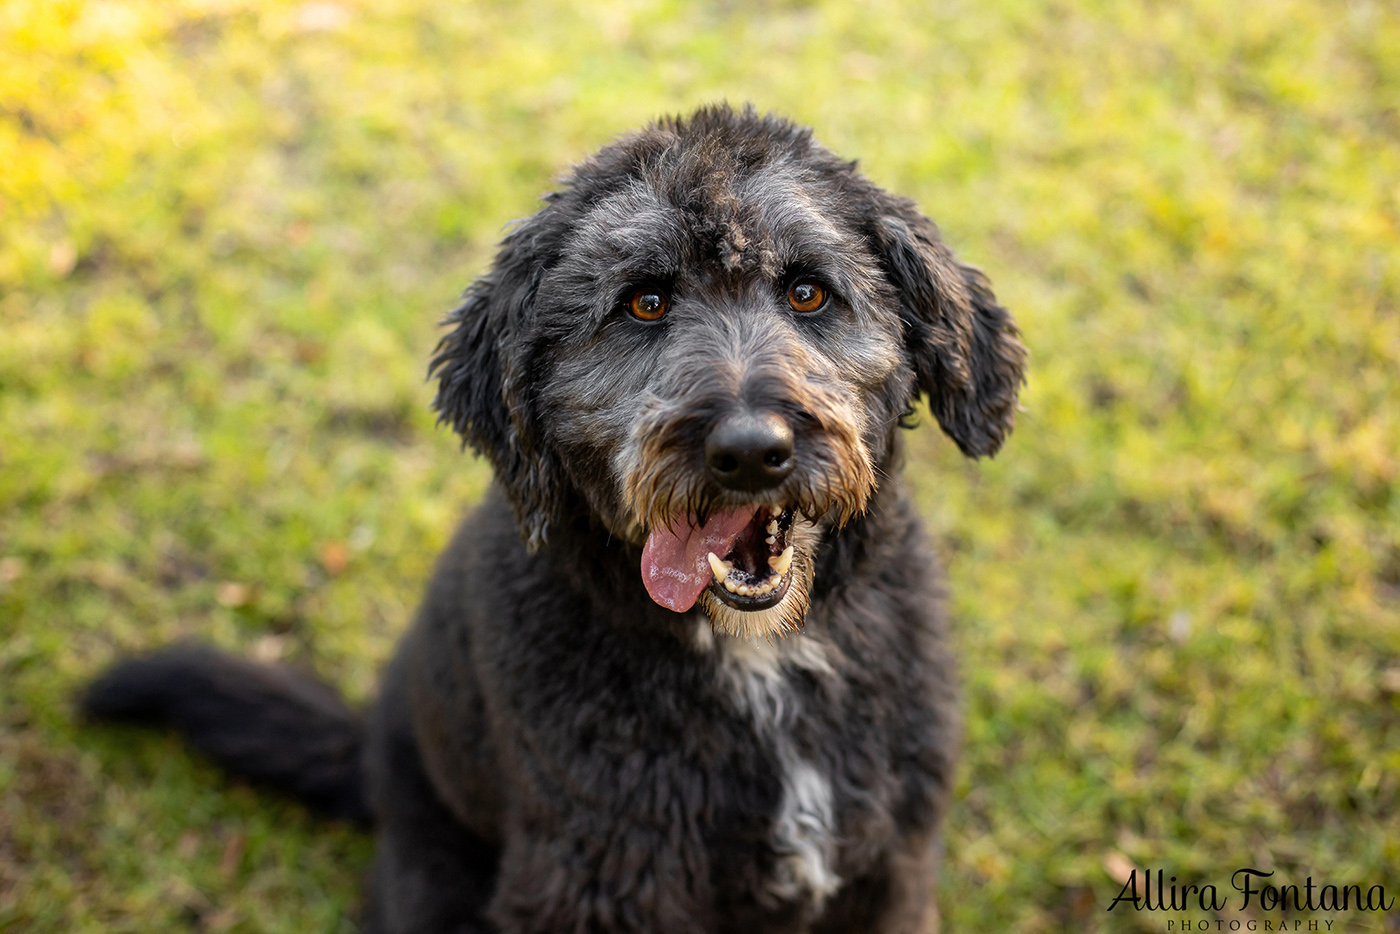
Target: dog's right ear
{"x":484,"y":391}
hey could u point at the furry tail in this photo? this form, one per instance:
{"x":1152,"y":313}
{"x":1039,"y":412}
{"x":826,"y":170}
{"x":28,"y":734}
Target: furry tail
{"x":271,"y":725}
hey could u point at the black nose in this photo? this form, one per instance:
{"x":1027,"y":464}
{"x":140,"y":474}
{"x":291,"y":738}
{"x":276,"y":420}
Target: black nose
{"x":750,"y":451}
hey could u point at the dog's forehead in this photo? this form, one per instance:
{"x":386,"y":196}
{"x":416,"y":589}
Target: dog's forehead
{"x":755,"y":221}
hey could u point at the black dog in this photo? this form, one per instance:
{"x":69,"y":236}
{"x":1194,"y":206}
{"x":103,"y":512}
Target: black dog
{"x":685,"y":669}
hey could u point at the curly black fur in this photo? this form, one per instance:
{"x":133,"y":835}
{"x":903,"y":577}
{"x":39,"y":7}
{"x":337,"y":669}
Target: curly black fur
{"x":552,"y":751}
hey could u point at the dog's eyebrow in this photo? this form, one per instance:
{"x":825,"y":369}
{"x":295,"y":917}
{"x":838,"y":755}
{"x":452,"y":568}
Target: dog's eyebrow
{"x":629,"y":237}
{"x":630,"y":219}
{"x":787,"y":211}
{"x":782,"y":204}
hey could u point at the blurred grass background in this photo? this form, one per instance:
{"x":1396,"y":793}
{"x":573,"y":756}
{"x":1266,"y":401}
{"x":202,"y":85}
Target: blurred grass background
{"x":227,"y":230}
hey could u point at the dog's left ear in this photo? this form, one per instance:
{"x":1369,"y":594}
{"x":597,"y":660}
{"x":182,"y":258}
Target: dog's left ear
{"x":964,"y":346}
{"x":484,"y":387}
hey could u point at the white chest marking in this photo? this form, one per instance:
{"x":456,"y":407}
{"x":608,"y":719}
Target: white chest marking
{"x":805,"y":830}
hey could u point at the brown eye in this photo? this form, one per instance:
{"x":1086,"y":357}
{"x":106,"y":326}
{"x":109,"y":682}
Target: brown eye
{"x":646,"y":304}
{"x":806,"y":296}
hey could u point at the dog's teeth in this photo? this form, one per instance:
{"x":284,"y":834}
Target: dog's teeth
{"x":772,"y":539}
{"x":782,"y":562}
{"x":775,"y":511}
{"x":772,"y":527}
{"x":735,"y":583}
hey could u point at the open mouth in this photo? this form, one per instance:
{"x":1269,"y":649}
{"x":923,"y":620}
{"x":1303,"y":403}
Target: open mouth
{"x":741,"y":555}
{"x":754,"y":572}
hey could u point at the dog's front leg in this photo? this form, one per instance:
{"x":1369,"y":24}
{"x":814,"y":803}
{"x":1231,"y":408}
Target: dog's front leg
{"x":431,"y":875}
{"x":602,"y":876}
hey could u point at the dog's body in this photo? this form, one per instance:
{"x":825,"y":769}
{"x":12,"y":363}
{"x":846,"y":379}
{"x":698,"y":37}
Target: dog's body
{"x":693,"y":360}
{"x":636,"y":772}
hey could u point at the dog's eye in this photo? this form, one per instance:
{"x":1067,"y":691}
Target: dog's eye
{"x":806,"y":296}
{"x":647,"y":304}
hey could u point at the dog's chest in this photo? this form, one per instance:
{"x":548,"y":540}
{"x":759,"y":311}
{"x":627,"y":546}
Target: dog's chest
{"x":761,"y":679}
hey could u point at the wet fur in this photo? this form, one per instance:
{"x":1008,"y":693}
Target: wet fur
{"x":551,"y":751}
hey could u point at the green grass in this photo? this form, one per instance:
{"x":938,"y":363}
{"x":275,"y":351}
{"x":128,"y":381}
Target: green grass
{"x":227,"y":230}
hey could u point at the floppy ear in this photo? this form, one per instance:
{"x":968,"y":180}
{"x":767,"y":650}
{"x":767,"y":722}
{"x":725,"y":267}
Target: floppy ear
{"x":964,"y":347}
{"x":484,"y":391}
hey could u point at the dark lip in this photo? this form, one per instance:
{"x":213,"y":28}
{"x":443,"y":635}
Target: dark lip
{"x":751,"y":604}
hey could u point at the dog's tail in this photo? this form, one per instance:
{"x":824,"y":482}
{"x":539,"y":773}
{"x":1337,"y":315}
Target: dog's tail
{"x":271,"y":725}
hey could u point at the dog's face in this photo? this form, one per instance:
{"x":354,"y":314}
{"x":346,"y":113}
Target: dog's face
{"x":708,"y":338}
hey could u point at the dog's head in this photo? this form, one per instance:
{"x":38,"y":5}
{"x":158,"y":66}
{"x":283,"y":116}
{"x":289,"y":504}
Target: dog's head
{"x":709,"y":336}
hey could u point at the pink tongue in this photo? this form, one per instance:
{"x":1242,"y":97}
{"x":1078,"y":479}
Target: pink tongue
{"x":674,"y":564}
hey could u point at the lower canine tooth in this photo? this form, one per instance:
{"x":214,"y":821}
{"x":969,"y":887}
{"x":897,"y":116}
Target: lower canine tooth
{"x":782,"y":562}
{"x":719,"y":566}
